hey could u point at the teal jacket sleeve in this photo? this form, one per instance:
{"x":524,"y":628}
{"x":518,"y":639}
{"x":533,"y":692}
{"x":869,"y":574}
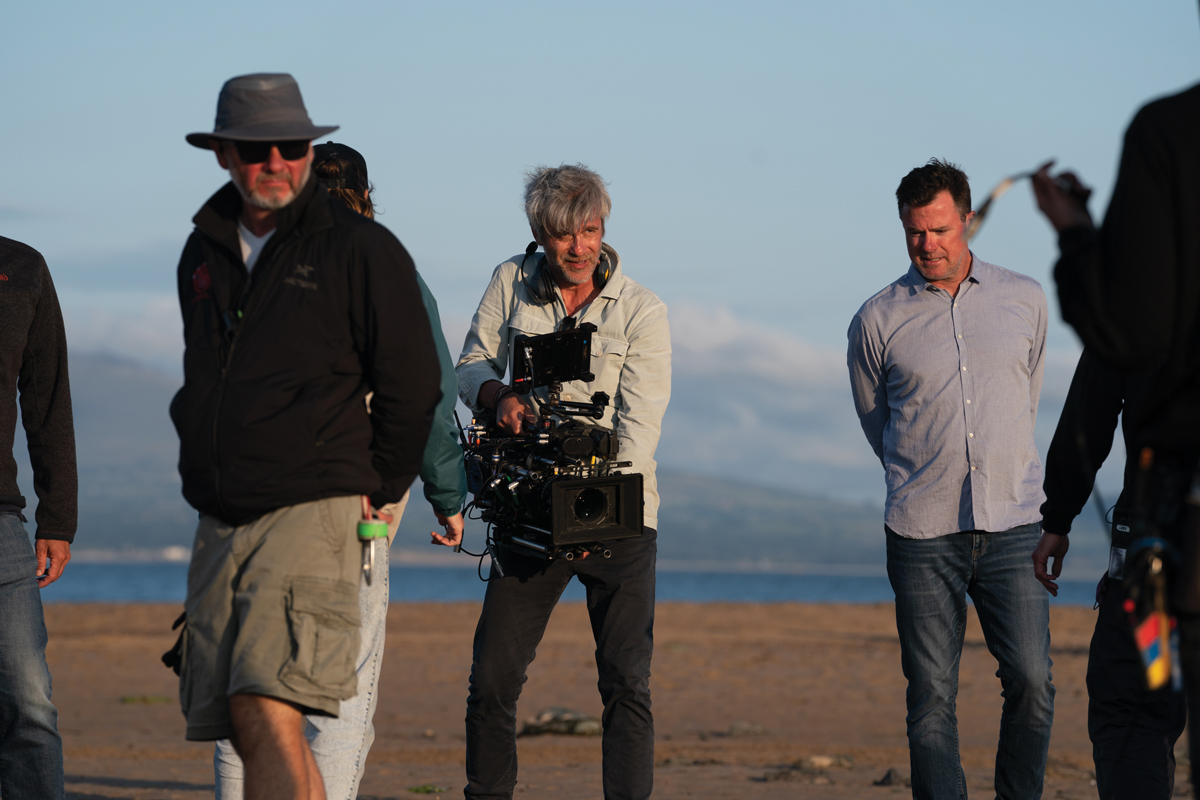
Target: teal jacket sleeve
{"x":442,"y":469}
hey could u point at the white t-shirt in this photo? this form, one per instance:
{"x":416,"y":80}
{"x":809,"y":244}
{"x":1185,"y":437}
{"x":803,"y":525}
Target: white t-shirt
{"x":252,"y":245}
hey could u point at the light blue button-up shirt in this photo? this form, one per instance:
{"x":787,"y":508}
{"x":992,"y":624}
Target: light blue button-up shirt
{"x":946,"y":389}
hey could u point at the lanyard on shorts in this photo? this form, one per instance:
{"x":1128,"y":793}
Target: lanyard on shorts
{"x":370,"y":530}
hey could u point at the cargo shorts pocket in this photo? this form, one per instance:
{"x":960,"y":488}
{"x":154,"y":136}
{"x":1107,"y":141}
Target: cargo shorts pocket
{"x":323,"y":622}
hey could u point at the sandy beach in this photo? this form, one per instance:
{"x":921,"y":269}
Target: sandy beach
{"x":750,"y":701}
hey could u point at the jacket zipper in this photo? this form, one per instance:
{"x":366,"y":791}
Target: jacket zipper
{"x":216,"y":419}
{"x":231,"y":330}
{"x":233,"y":324}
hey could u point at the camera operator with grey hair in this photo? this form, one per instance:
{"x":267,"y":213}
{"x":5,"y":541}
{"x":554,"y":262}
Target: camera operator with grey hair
{"x":578,"y":279}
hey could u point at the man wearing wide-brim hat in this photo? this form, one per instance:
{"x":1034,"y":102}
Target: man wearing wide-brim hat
{"x":294,"y":308}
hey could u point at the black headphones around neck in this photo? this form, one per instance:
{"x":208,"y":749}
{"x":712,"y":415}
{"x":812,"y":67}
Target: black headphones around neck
{"x":541,"y":283}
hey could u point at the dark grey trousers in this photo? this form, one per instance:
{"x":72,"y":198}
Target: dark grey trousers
{"x":516,"y":609}
{"x":1133,"y":730}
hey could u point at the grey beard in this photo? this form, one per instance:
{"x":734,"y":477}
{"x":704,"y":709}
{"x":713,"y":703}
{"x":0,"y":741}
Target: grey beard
{"x":272,"y":204}
{"x":574,"y":280}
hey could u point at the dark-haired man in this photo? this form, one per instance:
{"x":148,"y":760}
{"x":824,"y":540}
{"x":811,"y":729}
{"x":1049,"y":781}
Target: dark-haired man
{"x":294,"y":308}
{"x":946,"y":368}
{"x":578,"y":276}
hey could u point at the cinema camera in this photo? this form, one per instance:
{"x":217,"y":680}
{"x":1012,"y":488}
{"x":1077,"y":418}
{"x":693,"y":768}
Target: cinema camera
{"x":553,"y":491}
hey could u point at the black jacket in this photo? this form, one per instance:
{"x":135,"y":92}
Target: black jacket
{"x":1132,"y":289}
{"x":1084,"y":437}
{"x":33,"y":362}
{"x":278,"y":363}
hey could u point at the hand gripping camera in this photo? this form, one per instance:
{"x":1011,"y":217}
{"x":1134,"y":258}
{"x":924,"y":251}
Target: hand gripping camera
{"x":553,"y":491}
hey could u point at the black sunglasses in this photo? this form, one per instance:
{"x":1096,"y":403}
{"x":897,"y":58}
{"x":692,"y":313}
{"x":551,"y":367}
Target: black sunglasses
{"x":258,"y":152}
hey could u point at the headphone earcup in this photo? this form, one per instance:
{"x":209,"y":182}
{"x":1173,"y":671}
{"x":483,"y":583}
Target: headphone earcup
{"x":603,"y":273}
{"x":545,"y":285}
{"x":537,"y":284}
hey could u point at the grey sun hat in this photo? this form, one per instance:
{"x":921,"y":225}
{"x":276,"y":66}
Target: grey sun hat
{"x":263,"y":107}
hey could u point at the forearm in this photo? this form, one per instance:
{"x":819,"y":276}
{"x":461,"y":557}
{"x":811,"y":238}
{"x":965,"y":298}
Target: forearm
{"x":484,"y":357}
{"x":644,"y":390}
{"x":442,"y":473}
{"x":1102,"y":276}
{"x":403,"y":369}
{"x":45,"y":393}
{"x":864,"y":362}
{"x":1081,"y":296}
{"x":1068,"y":484}
{"x":1082,"y":440}
{"x":488,"y":392}
{"x":641,"y":460}
{"x":873,"y":421}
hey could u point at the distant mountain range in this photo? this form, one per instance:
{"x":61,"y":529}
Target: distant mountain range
{"x":131,"y":507}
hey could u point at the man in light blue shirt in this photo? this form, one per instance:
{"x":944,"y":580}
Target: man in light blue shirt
{"x":946,"y":369}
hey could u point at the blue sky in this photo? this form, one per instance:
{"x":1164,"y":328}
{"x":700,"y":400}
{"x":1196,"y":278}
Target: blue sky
{"x":752,"y":153}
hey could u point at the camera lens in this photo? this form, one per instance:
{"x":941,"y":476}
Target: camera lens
{"x":590,"y":505}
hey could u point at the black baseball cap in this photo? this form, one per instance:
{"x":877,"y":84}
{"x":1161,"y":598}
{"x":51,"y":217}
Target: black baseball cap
{"x":356,"y":178}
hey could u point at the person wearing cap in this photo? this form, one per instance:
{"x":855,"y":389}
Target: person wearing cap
{"x":294,"y":309}
{"x":340,"y":745}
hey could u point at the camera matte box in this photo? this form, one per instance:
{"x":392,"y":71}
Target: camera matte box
{"x":596,"y":509}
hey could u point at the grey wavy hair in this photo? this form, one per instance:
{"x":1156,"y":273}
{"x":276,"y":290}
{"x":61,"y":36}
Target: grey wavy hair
{"x":560,"y":200}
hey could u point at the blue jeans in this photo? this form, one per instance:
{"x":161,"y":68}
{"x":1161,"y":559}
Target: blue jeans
{"x":31,"y":760}
{"x":932,"y":579}
{"x":340,"y":743}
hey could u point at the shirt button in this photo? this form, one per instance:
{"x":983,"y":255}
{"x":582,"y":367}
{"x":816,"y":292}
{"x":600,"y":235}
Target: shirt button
{"x":960,"y":336}
{"x":964,"y":369}
{"x":956,"y":305}
{"x":972,"y":469}
{"x":968,"y":402}
{"x":971,"y":435}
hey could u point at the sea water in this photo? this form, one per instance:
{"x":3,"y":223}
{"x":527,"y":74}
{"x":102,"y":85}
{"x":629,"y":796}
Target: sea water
{"x":166,"y":583}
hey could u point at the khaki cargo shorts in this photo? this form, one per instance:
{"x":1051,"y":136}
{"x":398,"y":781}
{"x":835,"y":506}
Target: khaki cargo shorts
{"x":272,"y":609}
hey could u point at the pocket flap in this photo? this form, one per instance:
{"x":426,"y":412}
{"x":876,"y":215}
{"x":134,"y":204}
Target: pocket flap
{"x":608,"y":347}
{"x":529,"y":323}
{"x":325,"y":598}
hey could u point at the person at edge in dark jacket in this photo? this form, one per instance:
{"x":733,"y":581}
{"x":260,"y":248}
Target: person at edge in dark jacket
{"x":340,"y":745}
{"x":33,"y":361}
{"x":294,"y":309}
{"x":1131,"y":290}
{"x":1133,"y":730}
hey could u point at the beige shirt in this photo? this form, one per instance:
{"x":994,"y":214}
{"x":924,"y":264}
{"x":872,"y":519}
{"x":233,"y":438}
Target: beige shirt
{"x":631,"y":356}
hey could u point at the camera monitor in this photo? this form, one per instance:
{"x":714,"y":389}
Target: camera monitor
{"x":555,"y":357}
